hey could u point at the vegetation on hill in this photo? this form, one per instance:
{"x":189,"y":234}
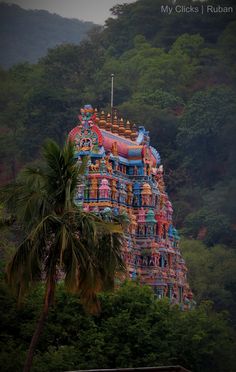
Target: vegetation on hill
{"x":144,"y":17}
{"x":183,"y":92}
{"x":26,"y":35}
{"x":175,"y":75}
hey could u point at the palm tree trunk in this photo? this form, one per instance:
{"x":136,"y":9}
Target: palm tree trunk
{"x":49,"y":296}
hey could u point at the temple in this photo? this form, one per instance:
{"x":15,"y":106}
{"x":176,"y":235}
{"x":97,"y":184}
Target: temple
{"x":124,"y":176}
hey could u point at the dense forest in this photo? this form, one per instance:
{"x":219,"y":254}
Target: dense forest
{"x":176,"y":75}
{"x":133,"y":329}
{"x":26,"y":35}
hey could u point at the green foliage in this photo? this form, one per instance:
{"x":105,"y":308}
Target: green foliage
{"x":134,"y":329}
{"x":212,"y":274}
{"x":144,"y":17}
{"x":226,"y":43}
{"x":59,"y":236}
{"x":203,"y":133}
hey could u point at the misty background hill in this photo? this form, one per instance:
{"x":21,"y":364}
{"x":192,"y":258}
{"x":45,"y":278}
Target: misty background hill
{"x":26,"y":35}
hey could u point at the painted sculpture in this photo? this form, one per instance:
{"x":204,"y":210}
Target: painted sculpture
{"x":124,"y":175}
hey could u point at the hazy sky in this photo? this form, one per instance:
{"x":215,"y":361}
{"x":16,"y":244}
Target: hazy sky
{"x":88,"y":10}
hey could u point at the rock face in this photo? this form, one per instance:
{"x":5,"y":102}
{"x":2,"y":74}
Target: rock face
{"x":124,"y":177}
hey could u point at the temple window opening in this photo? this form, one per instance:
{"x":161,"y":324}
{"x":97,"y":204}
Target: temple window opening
{"x":170,"y":291}
{"x":162,"y":261}
{"x":180,"y":294}
{"x":164,"y":231}
{"x":159,"y":292}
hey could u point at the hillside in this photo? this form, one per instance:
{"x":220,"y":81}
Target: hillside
{"x":184,"y":93}
{"x":26,"y":35}
{"x":176,"y":76}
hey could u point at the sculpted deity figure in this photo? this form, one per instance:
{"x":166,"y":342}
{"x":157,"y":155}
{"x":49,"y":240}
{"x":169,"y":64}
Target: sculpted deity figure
{"x":114,"y":193}
{"x":95,"y":167}
{"x":114,"y":149}
{"x":129,"y":194}
{"x":87,"y":116}
{"x":145,"y":261}
{"x":85,"y":144}
{"x":108,"y":163}
{"x":94,"y":189}
{"x":141,"y":229}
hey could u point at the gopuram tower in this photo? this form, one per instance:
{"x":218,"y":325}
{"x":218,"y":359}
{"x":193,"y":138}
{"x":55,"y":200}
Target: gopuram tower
{"x":124,"y":175}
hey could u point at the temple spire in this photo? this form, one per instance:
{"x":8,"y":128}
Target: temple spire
{"x":127,"y":130}
{"x":121,"y":127}
{"x":96,"y":116}
{"x":102,"y":121}
{"x":124,"y":177}
{"x":134,"y":132}
{"x":112,"y":95}
{"x":108,"y":124}
{"x":115,"y":126}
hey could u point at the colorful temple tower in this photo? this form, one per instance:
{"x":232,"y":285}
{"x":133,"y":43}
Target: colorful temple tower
{"x":124,"y":175}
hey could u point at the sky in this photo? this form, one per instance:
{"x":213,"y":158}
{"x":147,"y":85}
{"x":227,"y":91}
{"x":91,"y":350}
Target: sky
{"x":96,"y":11}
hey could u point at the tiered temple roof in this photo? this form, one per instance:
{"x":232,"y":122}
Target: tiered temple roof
{"x":124,"y":176}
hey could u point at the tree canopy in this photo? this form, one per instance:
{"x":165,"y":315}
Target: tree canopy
{"x":133,"y":329}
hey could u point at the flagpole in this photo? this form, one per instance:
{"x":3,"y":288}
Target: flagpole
{"x":112,"y":95}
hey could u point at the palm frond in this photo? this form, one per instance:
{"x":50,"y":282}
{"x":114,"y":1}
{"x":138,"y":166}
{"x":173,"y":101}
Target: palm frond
{"x":109,"y":258}
{"x":62,"y":238}
{"x":83,"y":166}
{"x":71,"y":269}
{"x":24,"y":268}
{"x":26,"y":198}
{"x":62,"y":172}
{"x":46,"y":226}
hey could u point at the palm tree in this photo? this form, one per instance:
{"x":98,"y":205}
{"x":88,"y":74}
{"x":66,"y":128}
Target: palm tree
{"x":61,"y":239}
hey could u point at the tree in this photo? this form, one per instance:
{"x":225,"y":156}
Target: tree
{"x":226,"y":49}
{"x":11,"y":123}
{"x":206,"y":134}
{"x":212,"y":274}
{"x":133,"y":329}
{"x":61,"y":240}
